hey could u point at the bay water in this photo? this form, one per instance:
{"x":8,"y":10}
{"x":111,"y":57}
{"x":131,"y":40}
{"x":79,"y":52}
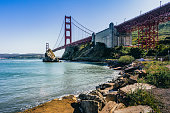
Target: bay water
{"x":28,"y":83}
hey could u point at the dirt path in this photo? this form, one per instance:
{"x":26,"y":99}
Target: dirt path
{"x":163,"y":95}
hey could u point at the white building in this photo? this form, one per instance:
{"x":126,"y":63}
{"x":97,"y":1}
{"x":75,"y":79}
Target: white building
{"x":111,"y":38}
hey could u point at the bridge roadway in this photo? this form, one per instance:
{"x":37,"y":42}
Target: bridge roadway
{"x":79,"y":42}
{"x":155,"y":16}
{"x":151,"y":18}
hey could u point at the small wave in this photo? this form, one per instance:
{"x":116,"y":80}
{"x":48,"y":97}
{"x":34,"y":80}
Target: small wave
{"x":16,"y":75}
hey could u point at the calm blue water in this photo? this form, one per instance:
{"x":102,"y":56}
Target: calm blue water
{"x":27,"y":83}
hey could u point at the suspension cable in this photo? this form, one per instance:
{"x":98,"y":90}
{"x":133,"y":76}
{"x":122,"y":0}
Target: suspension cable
{"x":81,"y":29}
{"x":59,"y":34}
{"x":60,"y":41}
{"x":81,"y":25}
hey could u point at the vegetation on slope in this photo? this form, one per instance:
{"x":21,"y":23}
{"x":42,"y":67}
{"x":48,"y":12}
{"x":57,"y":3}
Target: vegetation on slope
{"x":163,"y":33}
{"x":157,"y":74}
{"x":100,"y":52}
{"x":87,"y":52}
{"x":142,"y":97}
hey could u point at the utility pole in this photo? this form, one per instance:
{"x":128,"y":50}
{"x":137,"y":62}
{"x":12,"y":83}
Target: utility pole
{"x":160,"y":3}
{"x":140,"y":12}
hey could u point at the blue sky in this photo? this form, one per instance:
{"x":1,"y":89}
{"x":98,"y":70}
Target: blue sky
{"x":26,"y":25}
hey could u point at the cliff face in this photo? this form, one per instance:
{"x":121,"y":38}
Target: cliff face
{"x":87,"y":52}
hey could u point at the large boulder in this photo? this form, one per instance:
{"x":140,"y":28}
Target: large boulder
{"x":96,"y":98}
{"x":90,"y":106}
{"x":111,"y":96}
{"x":107,"y":85}
{"x":133,"y":79}
{"x":140,"y":72}
{"x":131,"y":88}
{"x":111,"y":105}
{"x":134,"y":109}
{"x":120,"y":83}
{"x":120,"y":106}
{"x":105,"y":88}
{"x":105,"y":91}
{"x":130,"y":69}
{"x":95,"y":92}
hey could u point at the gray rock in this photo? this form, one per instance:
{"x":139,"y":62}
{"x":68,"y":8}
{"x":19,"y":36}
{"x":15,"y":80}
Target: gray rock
{"x":133,"y":79}
{"x":132,"y":88}
{"x":107,"y":85}
{"x":120,"y":83}
{"x":96,"y":98}
{"x":89,"y":106}
{"x":134,"y":109}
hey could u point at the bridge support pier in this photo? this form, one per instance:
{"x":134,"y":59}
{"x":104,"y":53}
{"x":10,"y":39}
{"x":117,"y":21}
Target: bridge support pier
{"x":125,"y":39}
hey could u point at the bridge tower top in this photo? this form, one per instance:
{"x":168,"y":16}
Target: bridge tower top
{"x":68,"y":29}
{"x":47,"y":46}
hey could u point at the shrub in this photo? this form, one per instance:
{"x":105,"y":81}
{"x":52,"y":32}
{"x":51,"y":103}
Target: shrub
{"x":151,"y":52}
{"x":136,"y":52}
{"x":162,"y":50}
{"x":142,"y":97}
{"x":125,"y":51}
{"x":126,"y":59}
{"x":120,"y":51}
{"x":158,"y":75}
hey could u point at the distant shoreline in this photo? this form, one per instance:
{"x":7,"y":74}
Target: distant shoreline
{"x":2,"y":58}
{"x":22,"y":56}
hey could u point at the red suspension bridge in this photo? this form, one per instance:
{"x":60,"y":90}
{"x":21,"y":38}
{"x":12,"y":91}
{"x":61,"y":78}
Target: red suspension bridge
{"x":146,"y":25}
{"x":81,"y":34}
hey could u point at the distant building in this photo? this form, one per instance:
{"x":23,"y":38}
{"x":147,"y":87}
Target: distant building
{"x":111,"y":38}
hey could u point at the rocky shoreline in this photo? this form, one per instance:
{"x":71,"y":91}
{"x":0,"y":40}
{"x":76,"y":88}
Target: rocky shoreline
{"x":109,"y":97}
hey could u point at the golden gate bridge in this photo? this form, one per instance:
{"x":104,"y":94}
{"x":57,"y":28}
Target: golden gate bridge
{"x":146,"y":26}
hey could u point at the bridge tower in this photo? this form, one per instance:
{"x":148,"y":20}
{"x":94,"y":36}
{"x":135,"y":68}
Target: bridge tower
{"x":47,"y":46}
{"x":68,"y":29}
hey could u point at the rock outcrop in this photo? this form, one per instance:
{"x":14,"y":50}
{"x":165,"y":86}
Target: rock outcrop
{"x":50,"y":57}
{"x":62,"y":105}
{"x":90,"y":106}
{"x":87,"y":52}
